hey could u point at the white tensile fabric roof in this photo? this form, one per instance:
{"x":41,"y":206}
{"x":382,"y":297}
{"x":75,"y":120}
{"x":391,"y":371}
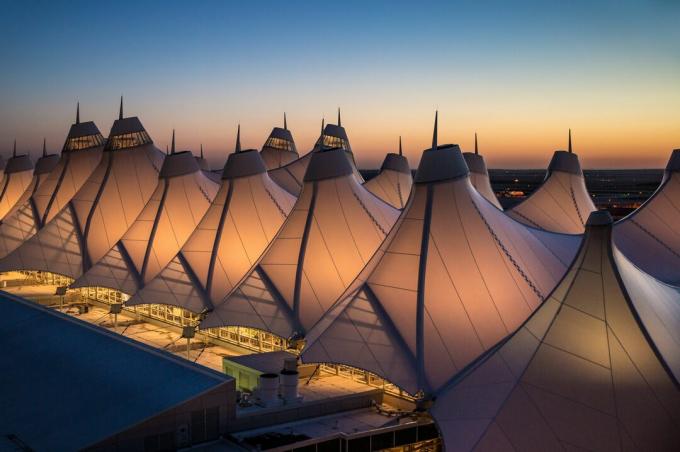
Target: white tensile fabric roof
{"x":101,"y":212}
{"x":17,"y":178}
{"x":279,"y":149}
{"x":393,"y":183}
{"x":41,"y":171}
{"x":455,"y":277}
{"x":242,"y":220}
{"x":479,"y":177}
{"x":291,"y":176}
{"x":333,"y":230}
{"x":650,"y":236}
{"x":561,"y":203}
{"x":56,"y":188}
{"x":580,"y":373}
{"x":181,"y":198}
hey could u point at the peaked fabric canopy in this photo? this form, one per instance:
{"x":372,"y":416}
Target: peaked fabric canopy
{"x":291,"y":176}
{"x":17,"y":179}
{"x":333,"y":230}
{"x":455,"y":277}
{"x":479,"y":177}
{"x":650,"y":236}
{"x":393,"y":183}
{"x":100,"y":212}
{"x":40,"y":175}
{"x":561,"y":203}
{"x":579,"y":374}
{"x":80,"y":155}
{"x":242,"y":220}
{"x":279,"y":149}
{"x":181,"y":198}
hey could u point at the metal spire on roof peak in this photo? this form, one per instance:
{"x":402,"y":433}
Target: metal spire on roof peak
{"x":167,"y":152}
{"x":44,"y":147}
{"x":14,"y":149}
{"x":434,"y":133}
{"x":285,"y":123}
{"x":201,"y":150}
{"x":120,"y":114}
{"x":78,"y":113}
{"x":476,"y":147}
{"x":400,"y":151}
{"x":238,"y":139}
{"x":339,"y":120}
{"x":172,"y":148}
{"x":570,"y":141}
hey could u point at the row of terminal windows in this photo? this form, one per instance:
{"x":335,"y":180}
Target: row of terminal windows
{"x":335,"y":142}
{"x":128,"y":140}
{"x":278,"y":143}
{"x":249,"y":338}
{"x":86,"y":142}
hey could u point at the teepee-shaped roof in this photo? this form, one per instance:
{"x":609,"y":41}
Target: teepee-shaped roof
{"x":581,"y":373}
{"x":242,"y":220}
{"x":479,"y":176}
{"x":279,"y":149}
{"x":649,"y":237}
{"x":393,"y":182}
{"x":81,"y":153}
{"x":100,"y":212}
{"x":291,"y":176}
{"x":333,"y":230}
{"x":455,"y":277}
{"x":180,"y":200}
{"x":561,"y":203}
{"x":17,"y":178}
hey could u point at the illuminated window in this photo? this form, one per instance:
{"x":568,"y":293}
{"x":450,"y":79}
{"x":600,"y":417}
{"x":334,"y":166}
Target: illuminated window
{"x":86,"y":142}
{"x":128,"y":140}
{"x":278,"y":143}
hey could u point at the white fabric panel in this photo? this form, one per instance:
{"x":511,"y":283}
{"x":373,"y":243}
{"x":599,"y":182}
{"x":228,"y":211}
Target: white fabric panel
{"x":549,"y":387}
{"x":131,"y":180}
{"x":17,"y":184}
{"x":485,"y":274}
{"x":391,"y":186}
{"x":483,"y":185}
{"x":276,"y":158}
{"x":175,"y":211}
{"x":256,"y":211}
{"x":650,"y":236}
{"x":290,"y":177}
{"x":348,"y":224}
{"x":561,"y":204}
{"x":77,"y":167}
{"x":658,"y":306}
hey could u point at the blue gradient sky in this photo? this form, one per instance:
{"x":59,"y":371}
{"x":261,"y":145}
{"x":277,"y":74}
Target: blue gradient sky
{"x":519,"y":73}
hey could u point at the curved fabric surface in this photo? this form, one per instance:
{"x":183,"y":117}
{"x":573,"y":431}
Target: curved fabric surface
{"x":54,"y":190}
{"x":157,"y":234}
{"x":109,"y":202}
{"x":483,"y":185}
{"x":13,"y":190}
{"x":333,"y":230}
{"x":658,"y":305}
{"x":290,"y":176}
{"x":391,"y":186}
{"x":561,"y":204}
{"x":650,"y":236}
{"x":243,"y":219}
{"x":276,"y":158}
{"x":455,"y":278}
{"x":579,"y":375}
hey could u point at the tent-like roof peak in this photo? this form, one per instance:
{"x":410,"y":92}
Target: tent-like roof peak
{"x":475,"y":162}
{"x":242,"y":164}
{"x":335,"y":131}
{"x":46,"y":164}
{"x":283,"y":134}
{"x":328,"y":164}
{"x":444,"y":162}
{"x":178,"y":164}
{"x":565,"y":161}
{"x":18,"y":163}
{"x":674,"y":161}
{"x":126,"y":125}
{"x":83,"y":129}
{"x":396,"y":162}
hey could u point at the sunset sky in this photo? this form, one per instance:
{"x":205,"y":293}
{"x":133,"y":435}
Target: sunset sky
{"x":519,"y":73}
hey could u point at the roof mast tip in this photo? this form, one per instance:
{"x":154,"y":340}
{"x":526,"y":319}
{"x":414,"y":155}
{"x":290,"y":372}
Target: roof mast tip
{"x":400,"y":150}
{"x":476,"y":147}
{"x":238,"y":139}
{"x":172,"y":148}
{"x":78,"y":113}
{"x":120,"y":113}
{"x":570,"y":150}
{"x":434,"y":132}
{"x":339,"y":120}
{"x":285,"y":123}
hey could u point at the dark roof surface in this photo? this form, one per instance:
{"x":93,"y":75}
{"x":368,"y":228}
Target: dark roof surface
{"x":67,"y":384}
